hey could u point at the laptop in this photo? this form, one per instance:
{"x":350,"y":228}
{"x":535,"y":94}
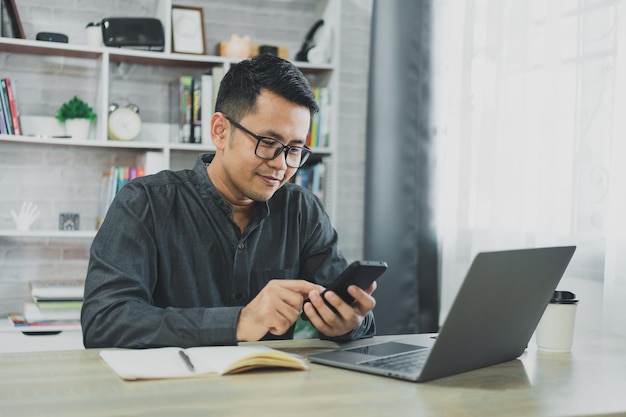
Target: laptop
{"x":491,"y":320}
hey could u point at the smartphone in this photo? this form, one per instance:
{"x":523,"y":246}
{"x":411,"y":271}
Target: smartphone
{"x":359,"y":273}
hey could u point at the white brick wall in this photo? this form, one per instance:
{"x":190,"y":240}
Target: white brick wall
{"x":51,"y":176}
{"x":355,"y":41}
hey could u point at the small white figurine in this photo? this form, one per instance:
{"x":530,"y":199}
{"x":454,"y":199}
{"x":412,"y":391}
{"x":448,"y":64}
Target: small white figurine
{"x":28,"y":215}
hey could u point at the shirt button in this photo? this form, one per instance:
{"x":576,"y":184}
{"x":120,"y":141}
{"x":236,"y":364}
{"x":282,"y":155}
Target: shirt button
{"x":241,"y":246}
{"x":238,"y":296}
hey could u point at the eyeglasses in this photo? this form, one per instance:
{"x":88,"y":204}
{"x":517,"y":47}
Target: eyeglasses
{"x":268,"y":148}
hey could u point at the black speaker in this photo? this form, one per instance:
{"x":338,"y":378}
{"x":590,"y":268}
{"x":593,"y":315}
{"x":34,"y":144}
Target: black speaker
{"x":52,"y":37}
{"x":133,"y":32}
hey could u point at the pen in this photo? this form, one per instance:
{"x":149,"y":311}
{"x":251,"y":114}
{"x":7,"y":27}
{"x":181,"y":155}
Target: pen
{"x":187,"y":360}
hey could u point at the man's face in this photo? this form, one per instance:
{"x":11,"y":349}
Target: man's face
{"x":249,"y":177}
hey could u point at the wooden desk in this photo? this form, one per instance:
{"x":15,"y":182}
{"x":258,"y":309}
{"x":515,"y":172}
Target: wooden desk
{"x":589,"y":381}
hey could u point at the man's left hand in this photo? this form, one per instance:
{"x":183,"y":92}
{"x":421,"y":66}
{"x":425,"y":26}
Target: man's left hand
{"x":348,"y":316}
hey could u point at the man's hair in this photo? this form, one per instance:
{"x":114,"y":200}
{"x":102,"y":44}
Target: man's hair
{"x":243,"y":83}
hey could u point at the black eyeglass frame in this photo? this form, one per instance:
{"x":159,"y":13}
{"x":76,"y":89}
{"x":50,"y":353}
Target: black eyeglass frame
{"x":305,"y":151}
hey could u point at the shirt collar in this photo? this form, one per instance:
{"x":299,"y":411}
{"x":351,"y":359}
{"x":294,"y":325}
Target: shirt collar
{"x":200,"y":169}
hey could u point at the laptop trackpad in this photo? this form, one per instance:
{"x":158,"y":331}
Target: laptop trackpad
{"x":385,"y":349}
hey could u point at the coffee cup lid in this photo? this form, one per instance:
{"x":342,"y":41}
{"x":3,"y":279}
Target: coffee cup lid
{"x":563,"y":297}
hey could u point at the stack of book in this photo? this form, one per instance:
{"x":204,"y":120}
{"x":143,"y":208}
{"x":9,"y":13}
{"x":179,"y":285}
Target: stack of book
{"x":9,"y":114}
{"x":319,"y":134}
{"x":312,"y":176}
{"x":112,"y":181}
{"x":192,"y":100}
{"x":54,"y":303}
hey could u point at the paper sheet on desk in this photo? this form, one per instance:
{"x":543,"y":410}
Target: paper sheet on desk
{"x":160,"y":363}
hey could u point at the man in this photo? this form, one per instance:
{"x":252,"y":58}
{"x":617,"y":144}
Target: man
{"x":228,"y":251}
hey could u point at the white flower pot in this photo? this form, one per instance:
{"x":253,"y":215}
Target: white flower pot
{"x":78,"y":129}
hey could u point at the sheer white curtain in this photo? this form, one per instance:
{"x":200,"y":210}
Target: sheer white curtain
{"x":531,"y":140}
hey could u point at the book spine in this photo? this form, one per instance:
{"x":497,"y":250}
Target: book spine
{"x":112,"y":181}
{"x":325,"y":117}
{"x":123,"y":175}
{"x":3,"y":125}
{"x":315,"y":123}
{"x":206,"y":107}
{"x":17,"y":129}
{"x":320,"y":177}
{"x":185,"y":108}
{"x":312,"y":178}
{"x":5,"y":106}
{"x":105,"y":192}
{"x":112,"y":186}
{"x":218,"y":74}
{"x":196,"y":110}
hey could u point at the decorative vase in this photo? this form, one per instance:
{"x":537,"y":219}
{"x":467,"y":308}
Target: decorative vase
{"x":78,"y":129}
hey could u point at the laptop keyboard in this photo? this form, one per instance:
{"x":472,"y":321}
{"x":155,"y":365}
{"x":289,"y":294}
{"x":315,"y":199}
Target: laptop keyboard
{"x":409,"y":362}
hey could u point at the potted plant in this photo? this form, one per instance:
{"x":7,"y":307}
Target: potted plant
{"x":77,"y":117}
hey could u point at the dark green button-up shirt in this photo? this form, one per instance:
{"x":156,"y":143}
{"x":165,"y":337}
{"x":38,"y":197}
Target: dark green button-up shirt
{"x":169,"y":266}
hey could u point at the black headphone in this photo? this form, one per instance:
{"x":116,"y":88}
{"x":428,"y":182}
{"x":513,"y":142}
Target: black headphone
{"x":308,"y":42}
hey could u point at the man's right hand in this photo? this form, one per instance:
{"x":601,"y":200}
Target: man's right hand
{"x":275,"y":309}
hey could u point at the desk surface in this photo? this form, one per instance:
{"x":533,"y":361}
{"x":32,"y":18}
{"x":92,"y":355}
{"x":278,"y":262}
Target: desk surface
{"x":589,"y":381}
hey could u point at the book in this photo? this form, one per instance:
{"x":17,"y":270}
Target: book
{"x":325,"y":118}
{"x":6,"y":110}
{"x":59,"y":304}
{"x":315,"y":122}
{"x":312,"y":177}
{"x":197,"y":88}
{"x":57,"y":290}
{"x":206,"y":106}
{"x":217,"y":74}
{"x":3,"y":125}
{"x":169,"y":362}
{"x":18,"y":320}
{"x":34,"y":314}
{"x":15,"y":114}
{"x":112,"y":182}
{"x":181,"y":103}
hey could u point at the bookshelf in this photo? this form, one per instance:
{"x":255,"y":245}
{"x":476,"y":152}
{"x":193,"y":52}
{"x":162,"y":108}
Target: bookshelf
{"x":101,"y":75}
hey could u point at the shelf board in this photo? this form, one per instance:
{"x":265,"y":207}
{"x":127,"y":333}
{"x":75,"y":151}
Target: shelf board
{"x":209,"y":147}
{"x":6,"y":326}
{"x":70,"y":234}
{"x":131,"y":56}
{"x":134,"y":56}
{"x":24,"y":46}
{"x":321,"y":151}
{"x":114,"y":144}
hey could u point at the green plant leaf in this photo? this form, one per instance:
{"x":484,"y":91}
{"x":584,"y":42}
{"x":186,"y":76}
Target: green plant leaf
{"x":75,"y":108}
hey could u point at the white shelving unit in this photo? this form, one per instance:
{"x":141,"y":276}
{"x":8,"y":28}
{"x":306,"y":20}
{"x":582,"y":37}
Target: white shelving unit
{"x":106,"y":56}
{"x":157,"y":147}
{"x":51,"y":338}
{"x":105,"y":70}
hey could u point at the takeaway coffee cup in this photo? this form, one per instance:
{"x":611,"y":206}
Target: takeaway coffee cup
{"x":555,"y":332}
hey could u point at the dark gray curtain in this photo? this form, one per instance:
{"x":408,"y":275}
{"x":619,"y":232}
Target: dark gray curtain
{"x":399,"y":225}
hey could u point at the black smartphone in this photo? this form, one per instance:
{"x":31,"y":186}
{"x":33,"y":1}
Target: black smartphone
{"x":359,"y":273}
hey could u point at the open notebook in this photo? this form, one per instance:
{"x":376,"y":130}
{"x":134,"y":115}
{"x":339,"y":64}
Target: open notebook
{"x":174,"y":362}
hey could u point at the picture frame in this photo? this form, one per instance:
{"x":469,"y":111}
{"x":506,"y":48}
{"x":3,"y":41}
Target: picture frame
{"x":188,"y":30}
{"x":69,"y":221}
{"x":16,"y":29}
